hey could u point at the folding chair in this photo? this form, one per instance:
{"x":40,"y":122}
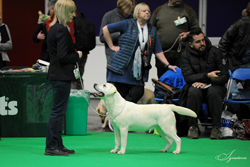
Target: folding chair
{"x":241,"y":74}
{"x":173,"y":79}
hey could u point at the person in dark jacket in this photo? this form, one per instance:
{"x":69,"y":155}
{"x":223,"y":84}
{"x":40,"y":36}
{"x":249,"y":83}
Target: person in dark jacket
{"x":63,"y":58}
{"x":5,"y":43}
{"x":126,"y":68}
{"x":41,"y":32}
{"x":203,"y":65}
{"x":41,"y":35}
{"x":235,"y":43}
{"x":77,"y":84}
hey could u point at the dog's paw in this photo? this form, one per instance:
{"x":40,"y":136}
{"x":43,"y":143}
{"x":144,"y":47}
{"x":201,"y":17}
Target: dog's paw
{"x":103,"y":126}
{"x":176,"y":152}
{"x":164,"y":150}
{"x":121,"y":152}
{"x":113,"y":151}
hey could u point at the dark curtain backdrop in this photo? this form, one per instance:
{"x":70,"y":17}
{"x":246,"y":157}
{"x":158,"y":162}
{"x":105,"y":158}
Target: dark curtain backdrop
{"x":95,"y":10}
{"x":223,"y":13}
{"x":21,"y":18}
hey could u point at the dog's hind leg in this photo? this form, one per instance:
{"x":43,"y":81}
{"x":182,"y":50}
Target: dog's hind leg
{"x":177,"y":141}
{"x":117,"y":140}
{"x":168,"y":140}
{"x":170,"y":131}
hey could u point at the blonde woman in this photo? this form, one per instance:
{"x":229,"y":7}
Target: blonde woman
{"x":63,"y":58}
{"x":137,"y":42}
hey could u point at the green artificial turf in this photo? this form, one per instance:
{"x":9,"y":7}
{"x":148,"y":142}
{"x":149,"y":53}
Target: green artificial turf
{"x":142,"y":150}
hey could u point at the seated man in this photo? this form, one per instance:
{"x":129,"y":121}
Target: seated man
{"x":203,"y":64}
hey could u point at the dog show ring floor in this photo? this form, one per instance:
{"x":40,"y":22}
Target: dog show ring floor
{"x":143,"y":150}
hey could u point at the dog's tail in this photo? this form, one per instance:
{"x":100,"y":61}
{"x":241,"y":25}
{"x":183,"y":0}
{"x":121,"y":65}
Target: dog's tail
{"x":182,"y":110}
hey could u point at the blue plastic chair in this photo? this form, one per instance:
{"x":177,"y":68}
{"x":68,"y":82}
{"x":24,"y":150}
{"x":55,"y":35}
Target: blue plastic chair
{"x":204,"y":108}
{"x":240,"y":74}
{"x":159,"y":99}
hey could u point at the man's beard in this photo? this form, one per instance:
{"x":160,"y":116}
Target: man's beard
{"x":176,"y":4}
{"x":199,"y":51}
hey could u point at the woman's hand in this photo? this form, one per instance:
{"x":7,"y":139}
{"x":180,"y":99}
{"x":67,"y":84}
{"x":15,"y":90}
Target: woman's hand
{"x":115,"y":48}
{"x":163,"y":59}
{"x":172,"y":67}
{"x":80,"y":54}
{"x":40,"y":36}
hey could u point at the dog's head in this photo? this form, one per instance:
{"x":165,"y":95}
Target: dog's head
{"x":104,"y":90}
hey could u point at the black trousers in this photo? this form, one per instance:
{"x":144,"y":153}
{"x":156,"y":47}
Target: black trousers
{"x":131,"y":93}
{"x":2,"y":63}
{"x":173,"y":58}
{"x":213,"y":97}
{"x":61,"y":92}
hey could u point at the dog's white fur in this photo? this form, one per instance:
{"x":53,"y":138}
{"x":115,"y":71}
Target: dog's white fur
{"x":127,"y":116}
{"x":147,"y":98}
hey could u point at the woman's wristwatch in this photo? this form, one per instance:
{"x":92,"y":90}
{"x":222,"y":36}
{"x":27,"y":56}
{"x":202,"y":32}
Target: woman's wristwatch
{"x":167,"y":65}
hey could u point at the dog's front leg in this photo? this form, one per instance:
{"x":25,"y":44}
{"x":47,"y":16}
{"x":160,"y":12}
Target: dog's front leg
{"x":117,"y":140}
{"x":124,"y":137}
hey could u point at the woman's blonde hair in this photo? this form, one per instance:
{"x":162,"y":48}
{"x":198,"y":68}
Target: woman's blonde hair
{"x":139,"y":8}
{"x":62,"y":10}
{"x":125,"y":6}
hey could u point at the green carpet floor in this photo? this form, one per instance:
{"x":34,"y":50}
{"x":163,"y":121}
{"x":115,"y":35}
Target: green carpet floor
{"x":142,"y":150}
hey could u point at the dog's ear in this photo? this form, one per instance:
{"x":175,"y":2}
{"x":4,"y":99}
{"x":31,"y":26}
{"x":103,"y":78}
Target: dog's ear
{"x":98,"y":109}
{"x":112,"y":90}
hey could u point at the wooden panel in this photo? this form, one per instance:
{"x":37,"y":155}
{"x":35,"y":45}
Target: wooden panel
{"x":21,"y":18}
{"x":1,"y":9}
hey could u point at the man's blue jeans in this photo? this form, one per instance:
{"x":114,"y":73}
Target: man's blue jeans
{"x":61,"y":91}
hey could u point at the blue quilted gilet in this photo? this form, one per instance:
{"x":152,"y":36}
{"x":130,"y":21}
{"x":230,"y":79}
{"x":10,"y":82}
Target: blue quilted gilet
{"x":127,"y":42}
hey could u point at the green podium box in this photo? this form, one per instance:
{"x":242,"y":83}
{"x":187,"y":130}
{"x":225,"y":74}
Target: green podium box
{"x":77,"y":112}
{"x":26,"y":99}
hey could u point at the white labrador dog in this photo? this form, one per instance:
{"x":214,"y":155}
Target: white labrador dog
{"x":147,"y":98}
{"x":127,"y":116}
